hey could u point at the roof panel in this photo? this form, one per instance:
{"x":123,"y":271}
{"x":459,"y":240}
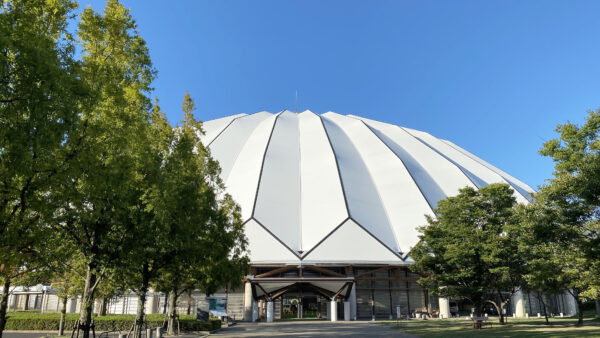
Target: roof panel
{"x":322,"y":200}
{"x":278,"y":199}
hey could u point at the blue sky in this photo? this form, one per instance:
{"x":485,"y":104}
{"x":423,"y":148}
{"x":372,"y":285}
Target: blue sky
{"x":494,"y":77}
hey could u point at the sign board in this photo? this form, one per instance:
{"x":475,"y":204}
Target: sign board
{"x":217,"y":306}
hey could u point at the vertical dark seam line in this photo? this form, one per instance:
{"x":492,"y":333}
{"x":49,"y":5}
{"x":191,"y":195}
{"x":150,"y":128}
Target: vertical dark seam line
{"x":442,"y":155}
{"x":488,"y":168}
{"x":337,"y":165}
{"x":222,"y":130}
{"x":262,"y":166}
{"x":403,"y":164}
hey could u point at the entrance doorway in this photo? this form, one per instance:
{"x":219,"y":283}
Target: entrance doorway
{"x":311,"y":306}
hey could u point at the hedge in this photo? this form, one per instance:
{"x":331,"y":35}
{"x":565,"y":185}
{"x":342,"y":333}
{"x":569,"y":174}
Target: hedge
{"x":50,"y":321}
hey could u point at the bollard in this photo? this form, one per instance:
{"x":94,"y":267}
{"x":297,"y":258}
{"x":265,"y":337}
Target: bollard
{"x":561,"y":315}
{"x":539,"y":315}
{"x":514,"y":315}
{"x":148,"y":333}
{"x":527,"y":315}
{"x":159,"y":332}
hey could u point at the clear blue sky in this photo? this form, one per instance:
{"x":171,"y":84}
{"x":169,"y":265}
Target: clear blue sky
{"x":494,"y":77}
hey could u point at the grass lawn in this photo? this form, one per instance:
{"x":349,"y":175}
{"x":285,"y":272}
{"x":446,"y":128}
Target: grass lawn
{"x":532,"y":327}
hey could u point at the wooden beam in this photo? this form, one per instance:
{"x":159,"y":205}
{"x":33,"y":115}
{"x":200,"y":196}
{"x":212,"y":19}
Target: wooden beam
{"x":276,"y":271}
{"x":340,"y":290}
{"x":266,"y":294}
{"x":284,"y":290}
{"x":347,"y":295}
{"x":324,"y":292}
{"x":324,"y":271}
{"x":373,"y":271}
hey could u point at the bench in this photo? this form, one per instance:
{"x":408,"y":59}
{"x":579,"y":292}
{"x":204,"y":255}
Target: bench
{"x":479,"y":322}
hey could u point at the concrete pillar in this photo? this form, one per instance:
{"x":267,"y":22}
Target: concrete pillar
{"x":248,"y":300}
{"x":254,"y":311}
{"x":570,"y":304}
{"x":72,"y":305}
{"x":346,"y":310}
{"x":270,"y":311}
{"x":333,"y":310}
{"x":328,"y":307}
{"x":444,"y":307}
{"x":352,"y":301}
{"x":519,"y":304}
{"x":151,"y":304}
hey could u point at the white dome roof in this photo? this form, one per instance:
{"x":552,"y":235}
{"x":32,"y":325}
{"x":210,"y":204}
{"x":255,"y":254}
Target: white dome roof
{"x":333,"y":189}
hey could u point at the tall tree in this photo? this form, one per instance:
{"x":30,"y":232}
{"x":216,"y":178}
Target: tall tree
{"x":201,"y":222}
{"x":468,"y":250}
{"x":40,"y":96}
{"x":99,"y":201}
{"x":566,"y":215}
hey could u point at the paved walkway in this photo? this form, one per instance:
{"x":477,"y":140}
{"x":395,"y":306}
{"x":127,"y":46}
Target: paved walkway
{"x":310,"y":329}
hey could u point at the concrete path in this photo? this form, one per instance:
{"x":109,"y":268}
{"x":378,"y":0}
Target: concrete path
{"x":310,"y":329}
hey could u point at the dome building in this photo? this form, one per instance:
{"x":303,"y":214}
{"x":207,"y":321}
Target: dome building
{"x":330,"y":205}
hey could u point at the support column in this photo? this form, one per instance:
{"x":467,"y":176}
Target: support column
{"x":270,"y":311}
{"x":254,"y":311}
{"x":248,"y":302}
{"x":328,"y":311}
{"x":333,"y":310}
{"x":444,"y":307}
{"x":519,"y":304}
{"x":571,"y":304}
{"x":347,"y":311}
{"x":353,"y":302}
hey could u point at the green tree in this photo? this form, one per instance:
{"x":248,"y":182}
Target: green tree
{"x":468,"y":250}
{"x":40,"y":95}
{"x":98,"y":202}
{"x":201,"y":222}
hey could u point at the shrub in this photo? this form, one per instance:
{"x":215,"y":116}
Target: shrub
{"x":50,"y":321}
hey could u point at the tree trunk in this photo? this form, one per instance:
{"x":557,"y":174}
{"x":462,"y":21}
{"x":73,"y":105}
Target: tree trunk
{"x":4,"y":304}
{"x":189,"y":302}
{"x":26,"y":305}
{"x":172,"y":310}
{"x":103,"y":306}
{"x":579,"y":312}
{"x":598,"y":307}
{"x":141,"y":306}
{"x":63,"y":310}
{"x":87,"y":302}
{"x":541,"y":300}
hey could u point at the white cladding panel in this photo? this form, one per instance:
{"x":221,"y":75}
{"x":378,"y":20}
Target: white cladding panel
{"x":278,"y":199}
{"x":264,"y":248}
{"x":472,"y":166}
{"x":518,"y":185}
{"x":352,"y":244}
{"x":364,"y":201}
{"x":213,"y":128}
{"x":243,"y":179}
{"x":227,"y":147}
{"x":322,"y":198}
{"x":425,"y":165}
{"x":402,"y":199}
{"x":317,"y":169}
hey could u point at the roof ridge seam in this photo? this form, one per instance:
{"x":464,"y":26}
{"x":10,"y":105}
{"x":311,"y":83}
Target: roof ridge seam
{"x":440,"y":154}
{"x":337,"y":166}
{"x":387,"y":216}
{"x":403,"y":164}
{"x":507,"y":181}
{"x":324,"y":238}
